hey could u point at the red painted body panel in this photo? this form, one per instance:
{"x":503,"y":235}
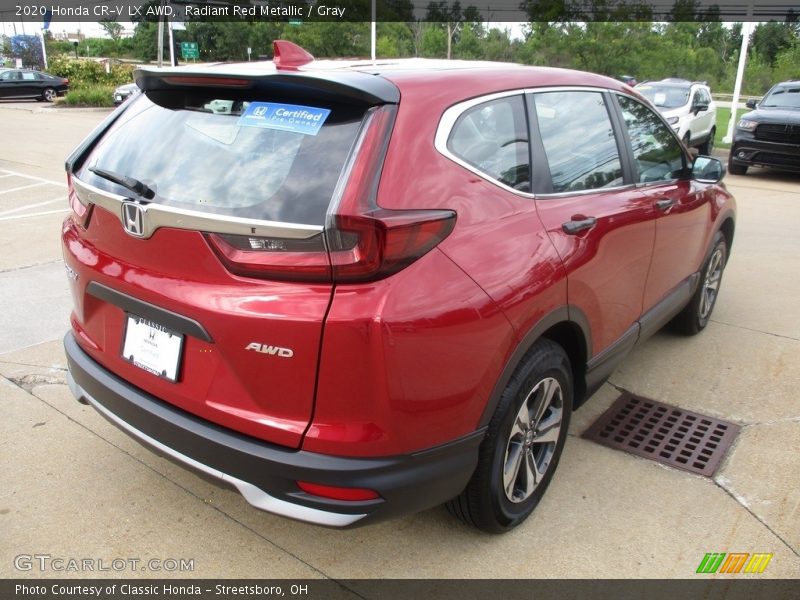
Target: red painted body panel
{"x":407,"y":362}
{"x":683,"y":234}
{"x":499,"y":240}
{"x":607,"y":265}
{"x":268,"y":397}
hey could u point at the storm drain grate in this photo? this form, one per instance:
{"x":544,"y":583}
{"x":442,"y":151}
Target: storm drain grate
{"x":663,"y":433}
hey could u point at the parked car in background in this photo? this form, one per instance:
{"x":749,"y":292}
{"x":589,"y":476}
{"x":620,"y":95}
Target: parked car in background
{"x":688,"y":108}
{"x":355,"y":291}
{"x":769,"y":135}
{"x":25,"y":83}
{"x":124,"y":92}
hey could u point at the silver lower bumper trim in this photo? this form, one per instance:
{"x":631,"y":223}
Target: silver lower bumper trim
{"x":254,"y":495}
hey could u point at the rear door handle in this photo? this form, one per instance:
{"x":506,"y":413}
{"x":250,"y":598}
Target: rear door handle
{"x":578,"y":225}
{"x":665,"y":203}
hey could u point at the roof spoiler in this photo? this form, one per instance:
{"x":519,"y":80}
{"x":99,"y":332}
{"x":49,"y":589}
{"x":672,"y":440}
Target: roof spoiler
{"x":163,"y":86}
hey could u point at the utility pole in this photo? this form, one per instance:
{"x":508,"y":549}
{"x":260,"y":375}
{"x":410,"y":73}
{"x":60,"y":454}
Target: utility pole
{"x":372,"y":32}
{"x":747,"y":28}
{"x":172,"y":62}
{"x":161,"y":35}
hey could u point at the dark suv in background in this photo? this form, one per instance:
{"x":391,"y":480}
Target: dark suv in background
{"x":769,"y":135}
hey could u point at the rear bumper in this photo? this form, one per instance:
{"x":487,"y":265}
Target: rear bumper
{"x":266,"y":474}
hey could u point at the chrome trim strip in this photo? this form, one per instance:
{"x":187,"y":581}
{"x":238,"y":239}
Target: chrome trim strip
{"x":158,"y":215}
{"x":449,"y":119}
{"x":254,"y":496}
{"x":452,"y":114}
{"x":600,"y":190}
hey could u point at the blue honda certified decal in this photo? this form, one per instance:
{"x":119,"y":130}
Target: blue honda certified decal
{"x":287,"y":117}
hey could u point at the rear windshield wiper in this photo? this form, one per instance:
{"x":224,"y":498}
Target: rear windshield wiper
{"x":134,"y":185}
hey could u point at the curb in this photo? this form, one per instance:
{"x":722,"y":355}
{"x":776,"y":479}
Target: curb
{"x":50,"y":109}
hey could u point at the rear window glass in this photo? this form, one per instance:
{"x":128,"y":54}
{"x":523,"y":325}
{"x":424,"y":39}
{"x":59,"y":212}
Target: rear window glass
{"x":216,"y":155}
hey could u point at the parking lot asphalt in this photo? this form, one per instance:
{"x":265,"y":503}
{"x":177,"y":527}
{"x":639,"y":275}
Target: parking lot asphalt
{"x":73,"y":486}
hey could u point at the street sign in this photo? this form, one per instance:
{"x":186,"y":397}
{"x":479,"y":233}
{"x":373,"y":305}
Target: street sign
{"x":190,"y":50}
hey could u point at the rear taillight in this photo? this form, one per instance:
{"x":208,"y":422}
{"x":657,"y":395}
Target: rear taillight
{"x":378,"y":244}
{"x":273,"y":258}
{"x":361,"y":242}
{"x":80,"y":210}
{"x":367,"y":242}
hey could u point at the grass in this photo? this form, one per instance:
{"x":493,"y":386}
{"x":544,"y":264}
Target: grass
{"x":723,"y":116}
{"x":90,"y":95}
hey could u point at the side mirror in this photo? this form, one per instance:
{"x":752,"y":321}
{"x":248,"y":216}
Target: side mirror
{"x":700,"y":107}
{"x":706,"y":169}
{"x":751,"y":103}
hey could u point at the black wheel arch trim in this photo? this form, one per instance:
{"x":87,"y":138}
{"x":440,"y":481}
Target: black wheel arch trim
{"x":722,"y":218}
{"x":563,"y":314}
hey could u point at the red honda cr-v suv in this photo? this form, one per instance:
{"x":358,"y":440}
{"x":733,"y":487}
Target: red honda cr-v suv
{"x":357,"y":290}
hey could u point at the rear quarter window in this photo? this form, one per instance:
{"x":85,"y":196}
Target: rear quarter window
{"x":202,"y":156}
{"x":493,"y":138}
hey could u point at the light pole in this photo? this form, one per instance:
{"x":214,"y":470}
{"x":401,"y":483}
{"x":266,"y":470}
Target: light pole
{"x":737,"y":87}
{"x":161,"y":35}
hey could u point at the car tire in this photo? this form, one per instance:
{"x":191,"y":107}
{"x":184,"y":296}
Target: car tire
{"x":735,"y":169}
{"x":523,"y":443}
{"x":708,"y":146}
{"x":687,"y":139}
{"x":49,"y":94}
{"x":695,"y":316}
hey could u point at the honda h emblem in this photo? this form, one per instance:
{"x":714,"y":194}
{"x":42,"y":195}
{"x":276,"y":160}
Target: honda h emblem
{"x":133,"y":218}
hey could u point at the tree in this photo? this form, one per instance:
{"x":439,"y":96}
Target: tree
{"x":432,"y":41}
{"x":145,"y":40}
{"x":29,"y":49}
{"x":112,"y":28}
{"x":452,"y":20}
{"x":787,"y":63}
{"x":394,"y":40}
{"x":769,"y":39}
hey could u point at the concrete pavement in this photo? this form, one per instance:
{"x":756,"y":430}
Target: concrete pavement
{"x":71,"y":485}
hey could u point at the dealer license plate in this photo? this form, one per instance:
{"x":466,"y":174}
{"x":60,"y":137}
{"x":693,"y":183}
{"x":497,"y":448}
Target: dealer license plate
{"x":152,"y":347}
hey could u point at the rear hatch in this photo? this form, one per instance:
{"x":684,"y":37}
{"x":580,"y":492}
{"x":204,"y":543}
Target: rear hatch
{"x":199,"y":265}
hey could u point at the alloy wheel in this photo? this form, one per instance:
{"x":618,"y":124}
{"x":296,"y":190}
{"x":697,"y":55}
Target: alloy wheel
{"x":532,"y":442}
{"x":711,"y":283}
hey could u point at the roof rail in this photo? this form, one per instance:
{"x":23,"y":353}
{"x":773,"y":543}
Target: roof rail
{"x":289,"y":56}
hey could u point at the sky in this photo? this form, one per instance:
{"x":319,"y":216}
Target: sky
{"x":88,"y":28}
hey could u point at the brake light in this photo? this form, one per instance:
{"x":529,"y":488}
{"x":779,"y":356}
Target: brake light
{"x":197,"y":80}
{"x":361,"y":241}
{"x":80,"y":210}
{"x":336,"y":492}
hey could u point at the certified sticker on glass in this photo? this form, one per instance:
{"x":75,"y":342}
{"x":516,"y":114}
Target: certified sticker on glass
{"x":286,"y":117}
